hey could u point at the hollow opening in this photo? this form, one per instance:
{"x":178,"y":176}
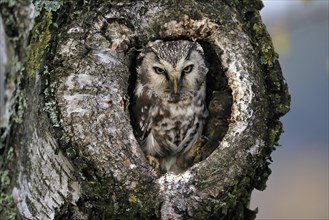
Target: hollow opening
{"x":218,"y":100}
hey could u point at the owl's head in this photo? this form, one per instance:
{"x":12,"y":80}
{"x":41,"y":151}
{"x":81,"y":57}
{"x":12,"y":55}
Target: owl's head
{"x":172,"y":68}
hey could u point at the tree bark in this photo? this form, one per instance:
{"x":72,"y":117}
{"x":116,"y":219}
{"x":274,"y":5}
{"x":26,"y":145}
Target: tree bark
{"x":74,"y":152}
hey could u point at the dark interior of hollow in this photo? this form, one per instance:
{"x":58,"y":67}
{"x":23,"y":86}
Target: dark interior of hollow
{"x":216,"y":79}
{"x":218,"y":98}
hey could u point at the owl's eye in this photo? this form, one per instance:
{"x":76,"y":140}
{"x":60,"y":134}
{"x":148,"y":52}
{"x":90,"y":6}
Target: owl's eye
{"x":159,"y":70}
{"x":188,"y":69}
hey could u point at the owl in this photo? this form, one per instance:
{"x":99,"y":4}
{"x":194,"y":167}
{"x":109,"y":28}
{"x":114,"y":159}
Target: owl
{"x":169,"y":109}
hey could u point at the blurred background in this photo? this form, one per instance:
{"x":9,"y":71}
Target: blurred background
{"x":298,"y":185}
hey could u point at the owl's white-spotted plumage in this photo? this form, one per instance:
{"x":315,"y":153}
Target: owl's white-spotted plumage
{"x":169,"y":107}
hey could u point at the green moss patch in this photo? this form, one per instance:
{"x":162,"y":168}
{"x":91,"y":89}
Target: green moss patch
{"x":39,"y":42}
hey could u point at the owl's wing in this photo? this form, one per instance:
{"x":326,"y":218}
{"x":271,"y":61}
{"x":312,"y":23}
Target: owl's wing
{"x":141,"y":121}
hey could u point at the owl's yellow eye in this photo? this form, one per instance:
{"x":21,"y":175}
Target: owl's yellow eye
{"x":188,"y":69}
{"x":159,"y":70}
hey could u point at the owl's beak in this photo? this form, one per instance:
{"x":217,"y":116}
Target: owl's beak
{"x":175,"y":86}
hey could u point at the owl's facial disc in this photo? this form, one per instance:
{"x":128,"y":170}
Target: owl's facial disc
{"x":175,"y":76}
{"x":173,"y":69}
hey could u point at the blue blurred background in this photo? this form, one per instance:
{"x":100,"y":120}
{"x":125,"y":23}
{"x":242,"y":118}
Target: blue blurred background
{"x":298,"y":185}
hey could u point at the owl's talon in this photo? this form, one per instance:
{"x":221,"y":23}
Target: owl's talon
{"x":154,"y":163}
{"x":193,"y":155}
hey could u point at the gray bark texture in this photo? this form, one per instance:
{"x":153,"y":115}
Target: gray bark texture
{"x":67,"y":146}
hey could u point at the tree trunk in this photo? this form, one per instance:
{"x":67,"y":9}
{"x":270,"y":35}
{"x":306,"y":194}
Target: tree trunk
{"x":68,"y":148}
